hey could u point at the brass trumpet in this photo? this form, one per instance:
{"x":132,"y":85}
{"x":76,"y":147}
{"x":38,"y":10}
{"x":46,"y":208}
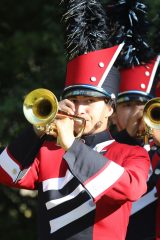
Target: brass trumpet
{"x":151,"y":117}
{"x":40,"y":108}
{"x":151,"y":113}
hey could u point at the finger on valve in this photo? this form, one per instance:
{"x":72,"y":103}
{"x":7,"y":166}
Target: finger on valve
{"x":51,"y":129}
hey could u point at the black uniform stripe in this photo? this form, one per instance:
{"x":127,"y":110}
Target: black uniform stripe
{"x":72,"y":204}
{"x":68,"y":188}
{"x":31,"y":142}
{"x":80,"y":229}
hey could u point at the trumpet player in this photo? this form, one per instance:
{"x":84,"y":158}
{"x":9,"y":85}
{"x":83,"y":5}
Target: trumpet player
{"x":152,"y":120}
{"x":86,"y":185}
{"x":138,"y":85}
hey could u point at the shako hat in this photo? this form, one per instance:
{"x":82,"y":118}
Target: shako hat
{"x":90,"y":69}
{"x":138,"y":62}
{"x":139,"y":82}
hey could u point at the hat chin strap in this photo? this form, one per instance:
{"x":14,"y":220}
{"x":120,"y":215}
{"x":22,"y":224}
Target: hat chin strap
{"x":95,"y":128}
{"x":98,"y":124}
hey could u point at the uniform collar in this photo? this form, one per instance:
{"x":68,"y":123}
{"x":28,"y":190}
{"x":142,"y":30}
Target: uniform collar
{"x":94,"y":139}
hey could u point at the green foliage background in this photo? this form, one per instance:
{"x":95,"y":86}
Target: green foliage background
{"x":32,"y":56}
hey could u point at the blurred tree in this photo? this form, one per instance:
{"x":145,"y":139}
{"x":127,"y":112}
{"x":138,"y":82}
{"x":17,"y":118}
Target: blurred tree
{"x":32,"y":56}
{"x":154,"y":18}
{"x":17,"y":214}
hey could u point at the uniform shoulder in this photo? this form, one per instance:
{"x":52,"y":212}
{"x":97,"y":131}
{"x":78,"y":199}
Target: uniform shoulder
{"x":127,"y":147}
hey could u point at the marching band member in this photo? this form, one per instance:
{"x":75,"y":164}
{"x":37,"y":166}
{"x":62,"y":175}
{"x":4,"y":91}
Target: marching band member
{"x":138,"y":69}
{"x":86,"y":185}
{"x":128,"y":118}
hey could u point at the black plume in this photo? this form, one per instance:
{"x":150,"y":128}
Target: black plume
{"x":86,"y":27}
{"x":132,"y":26}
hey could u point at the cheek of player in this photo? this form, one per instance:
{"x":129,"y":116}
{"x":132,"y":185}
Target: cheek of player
{"x":128,"y":113}
{"x":123,"y":113}
{"x":93,"y":110}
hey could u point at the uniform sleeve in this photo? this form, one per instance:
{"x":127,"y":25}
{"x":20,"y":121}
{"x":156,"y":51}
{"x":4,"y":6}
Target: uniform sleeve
{"x":103,"y":177}
{"x":18,"y":158}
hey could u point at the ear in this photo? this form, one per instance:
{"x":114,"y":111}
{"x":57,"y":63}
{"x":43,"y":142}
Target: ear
{"x":110,"y":111}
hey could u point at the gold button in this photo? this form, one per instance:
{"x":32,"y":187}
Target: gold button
{"x":14,"y":171}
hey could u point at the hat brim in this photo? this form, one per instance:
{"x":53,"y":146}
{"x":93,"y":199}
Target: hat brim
{"x":84,"y":90}
{"x":133,"y":96}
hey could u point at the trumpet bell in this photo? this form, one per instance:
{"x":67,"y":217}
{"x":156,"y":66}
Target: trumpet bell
{"x":152,"y":113}
{"x":40,"y":107}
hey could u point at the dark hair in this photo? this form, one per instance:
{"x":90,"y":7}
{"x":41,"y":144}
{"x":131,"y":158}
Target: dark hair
{"x":111,"y":102}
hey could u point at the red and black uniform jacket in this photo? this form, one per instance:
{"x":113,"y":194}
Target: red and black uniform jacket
{"x":145,"y":214}
{"x":84,"y":193}
{"x":156,"y":182}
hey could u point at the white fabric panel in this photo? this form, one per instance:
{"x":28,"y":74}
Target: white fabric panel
{"x":9,"y":166}
{"x":54,"y":203}
{"x":108,"y":177}
{"x":57,"y":183}
{"x":99,"y":147}
{"x":114,"y":57}
{"x":71,"y":216}
{"x":144,"y":201}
